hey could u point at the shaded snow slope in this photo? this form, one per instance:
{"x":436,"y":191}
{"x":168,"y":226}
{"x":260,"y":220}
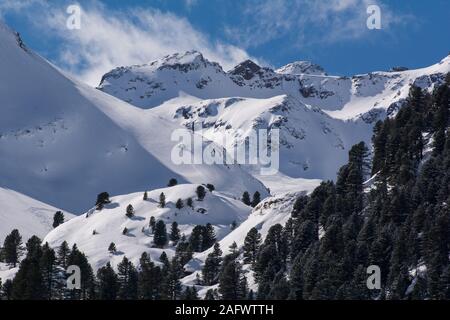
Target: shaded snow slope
{"x":31,"y":217}
{"x":63,"y":142}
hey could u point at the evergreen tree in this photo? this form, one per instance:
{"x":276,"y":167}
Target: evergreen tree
{"x":160,"y":235}
{"x":152,"y":223}
{"x":256,"y":199}
{"x":190,"y":203}
{"x":63,"y":255}
{"x":58,"y":219}
{"x":174,"y":233}
{"x":112,"y":248}
{"x":12,"y":248}
{"x":211,"y":268}
{"x":251,"y":246}
{"x":162,"y":200}
{"x":196,"y":238}
{"x":201,"y":193}
{"x":102,"y":199}
{"x":210,"y":187}
{"x":128,"y":280}
{"x":145,"y":198}
{"x":208,"y":237}
{"x":148,"y":279}
{"x":130,"y":211}
{"x":246,"y":198}
{"x":172,"y":182}
{"x":108,"y":283}
{"x":179,"y":204}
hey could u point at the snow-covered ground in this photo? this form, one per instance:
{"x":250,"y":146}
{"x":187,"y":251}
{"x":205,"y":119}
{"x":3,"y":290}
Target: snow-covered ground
{"x":29,"y":216}
{"x":109,"y":223}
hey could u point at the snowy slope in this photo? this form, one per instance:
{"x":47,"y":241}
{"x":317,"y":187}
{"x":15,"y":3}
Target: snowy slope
{"x":109,"y":223}
{"x":307,"y":135}
{"x":63,"y":142}
{"x":29,"y":216}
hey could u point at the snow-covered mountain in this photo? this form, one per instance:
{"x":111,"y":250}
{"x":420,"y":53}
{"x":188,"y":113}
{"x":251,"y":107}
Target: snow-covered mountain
{"x":63,"y":142}
{"x":367,"y":96}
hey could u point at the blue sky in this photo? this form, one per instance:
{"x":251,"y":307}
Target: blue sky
{"x":331,"y":33}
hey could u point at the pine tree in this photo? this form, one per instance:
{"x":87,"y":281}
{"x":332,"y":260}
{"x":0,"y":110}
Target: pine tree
{"x":148,"y":279}
{"x":246,"y":198}
{"x":63,"y":255}
{"x":230,"y":279}
{"x":87,"y":291}
{"x":125,"y":231}
{"x":190,"y":203}
{"x":49,"y":271}
{"x":196,"y":238}
{"x":172,"y":182}
{"x":145,"y":198}
{"x":108,"y":283}
{"x":211,"y":268}
{"x":179,"y":204}
{"x":208,"y":237}
{"x":256,"y":199}
{"x":210,"y":187}
{"x":162,"y":200}
{"x":130,"y":211}
{"x":160,"y":235}
{"x":174,"y":275}
{"x":102,"y":199}
{"x":201,"y":193}
{"x":174,"y":233}
{"x":12,"y":248}
{"x":251,"y":246}
{"x":112,"y":248}
{"x":28,"y":283}
{"x":128,"y":280}
{"x":58,"y":219}
{"x":152,"y":223}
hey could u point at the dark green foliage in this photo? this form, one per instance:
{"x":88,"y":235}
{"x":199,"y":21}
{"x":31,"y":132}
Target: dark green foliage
{"x":130,"y":211}
{"x":58,"y":219}
{"x":162,"y":200}
{"x":252,"y":243}
{"x":172,"y":182}
{"x":102,"y":199}
{"x":174,"y":233}
{"x":12,"y":248}
{"x":128,"y":280}
{"x":246,"y":198}
{"x":201,"y":193}
{"x":108,"y":283}
{"x":256,"y":199}
{"x":160,"y":237}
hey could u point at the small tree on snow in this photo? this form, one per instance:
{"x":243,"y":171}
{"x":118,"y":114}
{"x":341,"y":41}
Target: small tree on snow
{"x":58,"y":219}
{"x":179,"y":205}
{"x":145,"y":196}
{"x":162,"y":200}
{"x":201,"y":193}
{"x":130,"y":211}
{"x":152,"y":223}
{"x":112,"y":248}
{"x":172,"y":182}
{"x":190,"y":203}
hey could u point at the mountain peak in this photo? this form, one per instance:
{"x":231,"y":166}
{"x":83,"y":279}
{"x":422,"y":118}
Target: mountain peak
{"x":302,"y":67}
{"x":246,"y":69}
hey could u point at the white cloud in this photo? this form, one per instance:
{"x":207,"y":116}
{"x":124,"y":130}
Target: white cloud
{"x":108,"y":39}
{"x":307,"y":22}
